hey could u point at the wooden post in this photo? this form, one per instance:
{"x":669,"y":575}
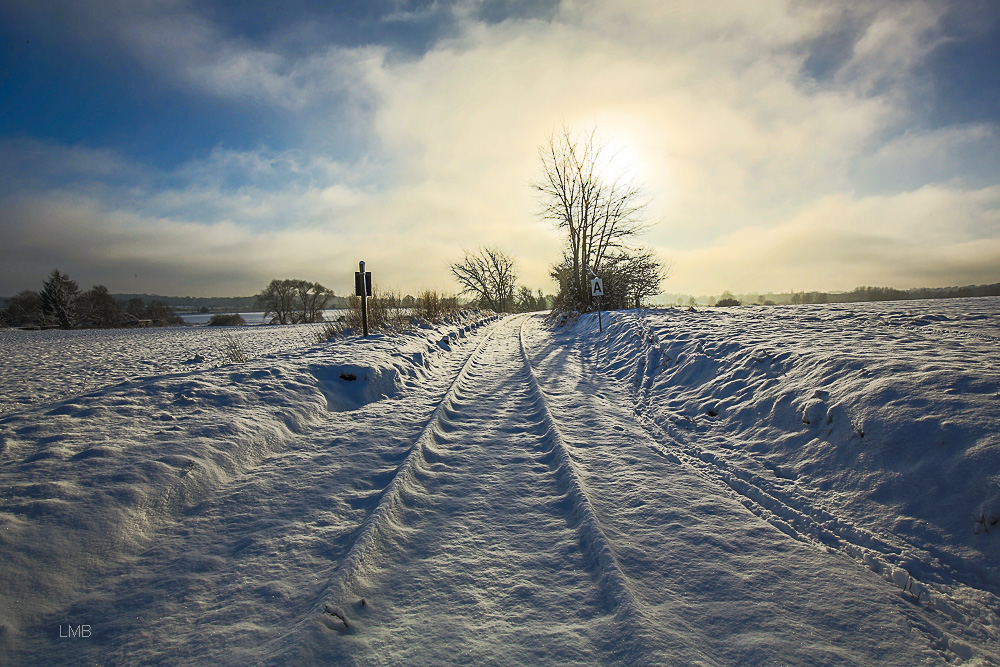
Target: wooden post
{"x":364,"y":300}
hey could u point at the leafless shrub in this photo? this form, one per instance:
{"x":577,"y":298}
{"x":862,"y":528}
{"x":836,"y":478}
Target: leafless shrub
{"x":386,"y":311}
{"x":433,"y":307}
{"x":327,"y":331}
{"x":430,"y":306}
{"x":391,"y":310}
{"x":232,"y":350}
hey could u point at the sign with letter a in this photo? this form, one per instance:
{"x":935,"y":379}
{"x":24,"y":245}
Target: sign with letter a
{"x":596,"y":287}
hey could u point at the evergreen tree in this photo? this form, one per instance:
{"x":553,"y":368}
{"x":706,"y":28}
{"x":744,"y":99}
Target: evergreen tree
{"x":58,"y":299}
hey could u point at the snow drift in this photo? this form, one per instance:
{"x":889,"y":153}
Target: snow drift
{"x":866,"y":428}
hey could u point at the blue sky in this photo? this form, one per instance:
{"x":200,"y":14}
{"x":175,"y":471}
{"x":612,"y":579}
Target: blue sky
{"x":203,"y":148}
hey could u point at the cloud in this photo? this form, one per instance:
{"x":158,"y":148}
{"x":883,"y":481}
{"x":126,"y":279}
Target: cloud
{"x":761,"y":169}
{"x":964,"y":153}
{"x":934,"y":236}
{"x":724,"y":128}
{"x":897,"y":38}
{"x":130,"y":252}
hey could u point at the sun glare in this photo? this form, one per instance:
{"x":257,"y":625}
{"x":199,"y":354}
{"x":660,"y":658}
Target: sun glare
{"x":621,"y":134}
{"x":620,"y":162}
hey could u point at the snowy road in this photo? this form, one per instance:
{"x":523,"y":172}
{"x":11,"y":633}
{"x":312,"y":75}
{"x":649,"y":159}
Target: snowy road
{"x":496,"y":499}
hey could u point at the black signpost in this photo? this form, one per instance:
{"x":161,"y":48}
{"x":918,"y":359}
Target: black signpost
{"x":363,"y":289}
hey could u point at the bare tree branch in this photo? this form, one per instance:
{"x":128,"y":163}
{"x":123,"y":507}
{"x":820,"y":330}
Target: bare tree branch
{"x":599,"y":214}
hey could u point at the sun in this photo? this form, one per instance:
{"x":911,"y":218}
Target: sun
{"x":633,"y":152}
{"x":619,"y":162}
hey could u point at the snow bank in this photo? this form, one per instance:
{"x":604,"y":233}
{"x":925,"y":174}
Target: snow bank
{"x":867,"y":428}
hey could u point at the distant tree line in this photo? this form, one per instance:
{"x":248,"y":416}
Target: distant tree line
{"x":201,"y":304}
{"x":61,"y":304}
{"x":859,"y":294}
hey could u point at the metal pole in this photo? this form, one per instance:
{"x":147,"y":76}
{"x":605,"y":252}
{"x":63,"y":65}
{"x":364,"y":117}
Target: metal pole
{"x":364,"y":300}
{"x":600,"y":320}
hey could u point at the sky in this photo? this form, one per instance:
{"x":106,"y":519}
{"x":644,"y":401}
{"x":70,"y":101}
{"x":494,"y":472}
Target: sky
{"x":202,"y":148}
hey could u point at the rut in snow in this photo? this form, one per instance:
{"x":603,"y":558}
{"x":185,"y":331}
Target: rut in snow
{"x":382,"y":519}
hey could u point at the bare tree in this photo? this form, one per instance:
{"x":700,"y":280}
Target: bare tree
{"x":490,"y":275}
{"x":278,"y":299}
{"x":312,"y":300}
{"x":96,"y":307}
{"x":599,"y":212}
{"x":292,"y":300}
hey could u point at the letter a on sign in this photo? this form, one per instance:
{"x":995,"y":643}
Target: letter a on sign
{"x":596,"y":287}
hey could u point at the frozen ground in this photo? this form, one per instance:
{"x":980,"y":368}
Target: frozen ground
{"x":806,"y":486}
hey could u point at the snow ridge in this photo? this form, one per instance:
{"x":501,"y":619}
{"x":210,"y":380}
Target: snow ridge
{"x":961,"y":605}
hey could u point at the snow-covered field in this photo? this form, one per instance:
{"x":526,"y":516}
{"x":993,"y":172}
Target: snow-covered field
{"x":43,"y":366}
{"x":255,"y":317}
{"x":807,"y":485}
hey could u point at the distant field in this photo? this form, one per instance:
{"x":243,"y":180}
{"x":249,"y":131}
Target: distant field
{"x":253,"y":317}
{"x":44,"y":366}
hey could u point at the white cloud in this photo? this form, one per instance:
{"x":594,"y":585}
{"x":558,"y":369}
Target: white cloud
{"x":898,"y":37}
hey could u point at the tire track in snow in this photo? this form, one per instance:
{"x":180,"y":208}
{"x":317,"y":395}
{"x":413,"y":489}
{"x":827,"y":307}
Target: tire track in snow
{"x":337,"y":598}
{"x":799,"y":519}
{"x":387,"y":533}
{"x":615,"y":586}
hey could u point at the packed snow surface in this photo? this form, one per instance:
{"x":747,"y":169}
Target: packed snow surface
{"x":815,"y":485}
